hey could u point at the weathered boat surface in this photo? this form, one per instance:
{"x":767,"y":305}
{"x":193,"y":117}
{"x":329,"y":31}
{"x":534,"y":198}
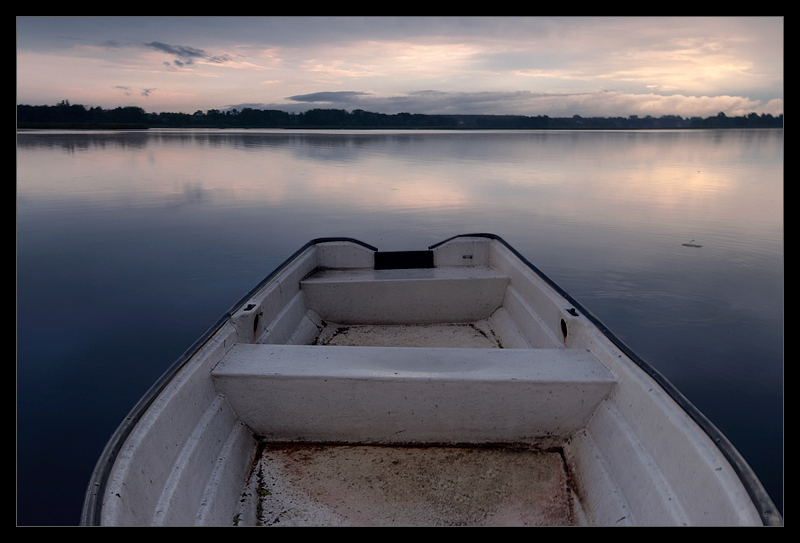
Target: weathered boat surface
{"x":452,"y":386}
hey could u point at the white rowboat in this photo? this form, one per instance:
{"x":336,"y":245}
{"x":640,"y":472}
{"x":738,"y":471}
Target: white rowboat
{"x":453,"y":386}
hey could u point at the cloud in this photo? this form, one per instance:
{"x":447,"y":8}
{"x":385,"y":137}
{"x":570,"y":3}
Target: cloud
{"x":187,"y":55}
{"x":127,"y":91}
{"x":496,"y":65}
{"x":586,"y":104}
{"x":329,"y":97}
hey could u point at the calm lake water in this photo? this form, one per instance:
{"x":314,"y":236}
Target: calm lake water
{"x":131,"y":244}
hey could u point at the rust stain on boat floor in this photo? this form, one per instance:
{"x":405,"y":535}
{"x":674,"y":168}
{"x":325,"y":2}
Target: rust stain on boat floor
{"x":301,"y":485}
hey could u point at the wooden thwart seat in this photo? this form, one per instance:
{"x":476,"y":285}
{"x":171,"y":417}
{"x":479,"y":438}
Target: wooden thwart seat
{"x":456,"y":294}
{"x":398,"y":394}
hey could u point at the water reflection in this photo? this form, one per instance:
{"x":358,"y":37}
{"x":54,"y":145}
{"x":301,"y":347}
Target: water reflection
{"x":676,"y":174}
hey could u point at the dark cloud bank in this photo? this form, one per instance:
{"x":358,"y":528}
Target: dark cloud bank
{"x":186,"y":55}
{"x":587,"y":104}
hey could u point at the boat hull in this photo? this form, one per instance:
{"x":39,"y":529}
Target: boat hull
{"x":344,"y":348}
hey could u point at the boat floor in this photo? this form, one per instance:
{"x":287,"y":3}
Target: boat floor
{"x":477,"y":335}
{"x":340,"y":485}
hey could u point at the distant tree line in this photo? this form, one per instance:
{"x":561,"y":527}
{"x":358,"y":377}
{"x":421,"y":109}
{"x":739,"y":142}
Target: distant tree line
{"x":66,"y":115}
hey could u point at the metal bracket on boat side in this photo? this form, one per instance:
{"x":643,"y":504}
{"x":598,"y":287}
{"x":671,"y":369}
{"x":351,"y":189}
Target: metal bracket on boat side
{"x":572,"y":311}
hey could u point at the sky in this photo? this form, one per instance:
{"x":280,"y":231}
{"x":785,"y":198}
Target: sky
{"x":555,"y":66}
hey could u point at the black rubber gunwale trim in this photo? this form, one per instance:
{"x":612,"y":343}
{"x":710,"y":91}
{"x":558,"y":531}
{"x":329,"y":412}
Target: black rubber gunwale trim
{"x":769,"y":514}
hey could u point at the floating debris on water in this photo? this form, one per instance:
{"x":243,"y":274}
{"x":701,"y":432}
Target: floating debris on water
{"x":691,"y":244}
